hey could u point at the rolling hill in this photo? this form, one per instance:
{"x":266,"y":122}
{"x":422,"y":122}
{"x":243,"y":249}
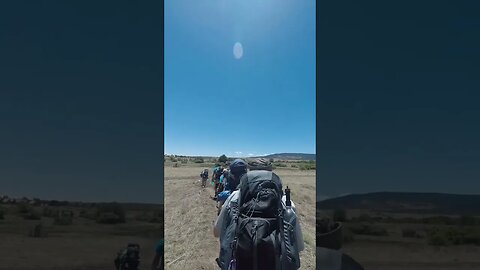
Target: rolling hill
{"x":292,"y":156}
{"x":405,"y":202}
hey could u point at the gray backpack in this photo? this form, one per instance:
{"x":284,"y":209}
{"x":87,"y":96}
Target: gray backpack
{"x":257,"y":234}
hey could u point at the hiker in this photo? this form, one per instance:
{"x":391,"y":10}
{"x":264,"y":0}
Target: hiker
{"x":231,"y":179}
{"x":329,"y":241}
{"x":220,"y":180}
{"x":253,"y":234}
{"x":221,"y":192}
{"x":204,"y":176}
{"x":216,"y":178}
{"x":129,"y":258}
{"x":159,"y":260}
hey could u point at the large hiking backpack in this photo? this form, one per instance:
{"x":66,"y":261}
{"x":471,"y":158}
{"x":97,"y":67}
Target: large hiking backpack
{"x":218,"y":172}
{"x":259,"y":236}
{"x":129,"y":258}
{"x":230,"y":182}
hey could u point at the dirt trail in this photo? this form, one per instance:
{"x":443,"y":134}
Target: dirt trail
{"x":190,"y":214}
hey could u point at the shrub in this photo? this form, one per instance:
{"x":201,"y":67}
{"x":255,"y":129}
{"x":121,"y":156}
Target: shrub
{"x":175,"y":165}
{"x":108,"y":218}
{"x":440,"y":220}
{"x":49,"y":212}
{"x":63,"y":220}
{"x":453,"y":236}
{"x":199,"y":160}
{"x":24,"y":208}
{"x":468,"y":220}
{"x":222,"y":159}
{"x":307,"y":166}
{"x":410,"y":233}
{"x":436,"y":237}
{"x":32,"y":215}
{"x":280,"y":165}
{"x":87,"y":214}
{"x":110,"y":213}
{"x":340,"y":215}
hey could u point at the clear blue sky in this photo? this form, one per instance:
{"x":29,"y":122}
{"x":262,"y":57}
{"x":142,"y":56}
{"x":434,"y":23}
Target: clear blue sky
{"x":261,"y":103}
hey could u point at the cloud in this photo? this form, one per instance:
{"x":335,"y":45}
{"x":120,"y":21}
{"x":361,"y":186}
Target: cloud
{"x":250,"y":155}
{"x":238,"y":153}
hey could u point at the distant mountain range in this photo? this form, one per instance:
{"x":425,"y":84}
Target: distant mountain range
{"x":282,"y":156}
{"x":405,"y":202}
{"x":292,"y":156}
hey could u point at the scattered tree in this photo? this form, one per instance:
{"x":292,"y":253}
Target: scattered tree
{"x":222,"y":159}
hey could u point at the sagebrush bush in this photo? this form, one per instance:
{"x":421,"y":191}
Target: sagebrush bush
{"x":24,"y":208}
{"x":110,"y":213}
{"x":198,"y":160}
{"x":63,"y":220}
{"x":307,"y":166}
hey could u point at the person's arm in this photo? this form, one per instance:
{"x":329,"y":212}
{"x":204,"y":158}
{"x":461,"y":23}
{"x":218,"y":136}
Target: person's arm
{"x":219,"y":221}
{"x":156,"y":261}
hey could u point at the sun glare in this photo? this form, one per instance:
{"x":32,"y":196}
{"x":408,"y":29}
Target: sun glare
{"x":238,"y":50}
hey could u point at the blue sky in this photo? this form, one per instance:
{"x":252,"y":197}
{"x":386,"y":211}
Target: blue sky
{"x":261,"y":103}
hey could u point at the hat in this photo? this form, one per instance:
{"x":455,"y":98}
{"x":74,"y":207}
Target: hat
{"x":238,"y":166}
{"x":260,"y":164}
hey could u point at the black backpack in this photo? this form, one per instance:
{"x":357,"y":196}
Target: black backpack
{"x":261,"y":241}
{"x":218,"y":173}
{"x":129,"y":258}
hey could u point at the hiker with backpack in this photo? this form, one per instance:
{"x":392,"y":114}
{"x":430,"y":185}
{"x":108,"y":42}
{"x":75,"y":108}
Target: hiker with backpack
{"x":258,"y":226}
{"x":231,"y":179}
{"x":221,"y":180}
{"x":204,"y":176}
{"x":129,"y":258}
{"x":217,"y":172}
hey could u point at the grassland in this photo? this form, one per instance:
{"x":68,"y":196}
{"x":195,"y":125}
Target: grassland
{"x":391,"y":241}
{"x":84,"y":244}
{"x":190,"y":214}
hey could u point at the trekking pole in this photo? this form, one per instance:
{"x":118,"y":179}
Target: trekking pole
{"x":288,"y":202}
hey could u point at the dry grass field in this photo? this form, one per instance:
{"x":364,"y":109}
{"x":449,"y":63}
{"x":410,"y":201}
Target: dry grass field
{"x":384,"y":245}
{"x":83,"y":245}
{"x":190,"y":214}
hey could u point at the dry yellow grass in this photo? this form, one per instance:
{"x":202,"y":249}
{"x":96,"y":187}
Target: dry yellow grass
{"x":190,"y":214}
{"x":82,"y":246}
